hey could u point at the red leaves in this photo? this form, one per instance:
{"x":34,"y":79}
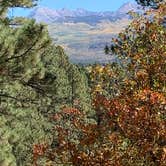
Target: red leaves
{"x":152,"y":97}
{"x":130,"y":126}
{"x":71,"y":111}
{"x":100,"y":100}
{"x":38,"y":151}
{"x":127,"y":117}
{"x":66,"y":111}
{"x":136,"y":116}
{"x":114,"y":137}
{"x":56,"y":117}
{"x":108,"y":105}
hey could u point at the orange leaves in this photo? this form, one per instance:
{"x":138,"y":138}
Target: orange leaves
{"x":109,"y":107}
{"x":114,"y":137}
{"x":56,"y":117}
{"x":151,"y":96}
{"x":154,"y":36}
{"x":129,"y":104}
{"x":157,"y":98}
{"x":90,"y":133}
{"x":100,"y":100}
{"x":142,"y":74}
{"x":164,"y":154}
{"x":66,"y":111}
{"x":100,"y":76}
{"x":129,"y":130}
{"x":162,"y":131}
{"x":90,"y":140}
{"x":38,"y":151}
{"x":71,"y":111}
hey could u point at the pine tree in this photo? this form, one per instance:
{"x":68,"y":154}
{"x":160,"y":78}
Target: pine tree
{"x":35,"y":82}
{"x":152,"y":3}
{"x":79,"y":96}
{"x":20,"y":59}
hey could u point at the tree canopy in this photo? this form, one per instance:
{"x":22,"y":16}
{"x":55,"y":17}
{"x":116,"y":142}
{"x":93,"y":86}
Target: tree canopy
{"x":53,"y":112}
{"x":151,"y":3}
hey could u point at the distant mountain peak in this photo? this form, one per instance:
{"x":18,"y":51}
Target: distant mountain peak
{"x":47,"y":15}
{"x":44,"y":14}
{"x":126,"y":7}
{"x":42,"y":9}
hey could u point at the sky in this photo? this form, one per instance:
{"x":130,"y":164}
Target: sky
{"x":92,"y":5}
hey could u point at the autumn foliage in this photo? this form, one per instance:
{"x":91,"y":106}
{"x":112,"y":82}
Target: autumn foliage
{"x":129,"y":126}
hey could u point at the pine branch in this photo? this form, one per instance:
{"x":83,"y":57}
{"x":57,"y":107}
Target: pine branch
{"x":5,"y":95}
{"x":23,"y":54}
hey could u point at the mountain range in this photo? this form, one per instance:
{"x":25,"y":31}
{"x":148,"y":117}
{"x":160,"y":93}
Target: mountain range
{"x":44,"y":14}
{"x":82,"y":33}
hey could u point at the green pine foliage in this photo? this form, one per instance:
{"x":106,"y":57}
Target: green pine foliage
{"x":152,"y":3}
{"x":35,"y":82}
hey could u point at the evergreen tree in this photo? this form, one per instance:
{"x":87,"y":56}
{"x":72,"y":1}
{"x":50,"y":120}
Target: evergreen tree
{"x":35,"y":82}
{"x":152,"y":3}
{"x":20,"y":59}
{"x":79,"y":96}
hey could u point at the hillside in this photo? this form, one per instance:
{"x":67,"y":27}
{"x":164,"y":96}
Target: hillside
{"x":85,"y":43}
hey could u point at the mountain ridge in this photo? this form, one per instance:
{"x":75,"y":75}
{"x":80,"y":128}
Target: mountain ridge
{"x":83,"y":33}
{"x":47,"y":15}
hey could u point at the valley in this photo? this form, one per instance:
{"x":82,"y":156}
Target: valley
{"x":82,"y":33}
{"x":85,"y":43}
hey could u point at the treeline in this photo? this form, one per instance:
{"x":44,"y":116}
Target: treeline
{"x":53,"y":112}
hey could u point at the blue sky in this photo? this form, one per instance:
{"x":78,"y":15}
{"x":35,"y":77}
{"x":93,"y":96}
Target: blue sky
{"x":93,"y":5}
